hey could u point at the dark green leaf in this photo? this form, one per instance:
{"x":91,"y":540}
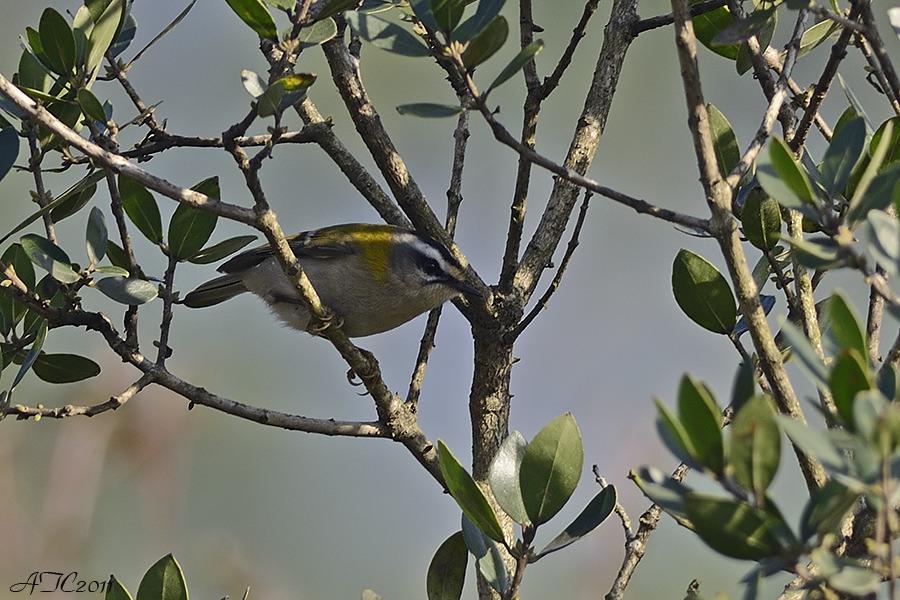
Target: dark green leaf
{"x":893,"y":145}
{"x":9,"y":149}
{"x":674,"y":435}
{"x":429,"y":110}
{"x":11,"y":312}
{"x":163,"y":581}
{"x":825,"y":511}
{"x":817,"y":444}
{"x":871,"y":170}
{"x":755,"y":446}
{"x":422,"y":10}
{"x":255,"y":14}
{"x":57,"y":42}
{"x":842,"y":155}
{"x":127,"y":290}
{"x":845,"y":324}
{"x":76,"y":197}
{"x":32,"y":74}
{"x":91,"y":106}
{"x":818,"y":253}
{"x":736,"y":529}
{"x":761,"y":219}
{"x":97,"y":236}
{"x":743,"y":30}
{"x":484,"y":14}
{"x":386,"y":35}
{"x":744,"y":386}
{"x":486,"y":43}
{"x":468,"y":495}
{"x":49,"y":257}
{"x":102,"y":36}
{"x":503,"y":476}
{"x":703,"y":293}
{"x":319,"y":32}
{"x":801,"y":349}
{"x":880,"y":194}
{"x":217,"y":252}
{"x":32,"y":354}
{"x":849,"y":376}
{"x":141,"y":208}
{"x":283,"y":93}
{"x":782,"y":177}
{"x":590,"y":518}
{"x":710,"y":24}
{"x":724,"y":141}
{"x":116,"y":591}
{"x":333,"y":7}
{"x":64,"y":368}
{"x":447,"y":13}
{"x":117,"y":255}
{"x":551,"y":468}
{"x":447,"y":571}
{"x":702,"y":421}
{"x":189,"y":230}
{"x":525,"y":56}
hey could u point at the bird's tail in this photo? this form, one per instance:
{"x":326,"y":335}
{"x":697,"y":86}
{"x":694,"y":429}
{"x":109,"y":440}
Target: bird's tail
{"x":215,"y":291}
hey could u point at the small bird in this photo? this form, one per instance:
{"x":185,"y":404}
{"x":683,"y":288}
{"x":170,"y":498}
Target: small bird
{"x":374,"y":277}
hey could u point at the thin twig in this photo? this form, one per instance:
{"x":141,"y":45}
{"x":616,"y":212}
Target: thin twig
{"x":578,"y":33}
{"x":697,"y":9}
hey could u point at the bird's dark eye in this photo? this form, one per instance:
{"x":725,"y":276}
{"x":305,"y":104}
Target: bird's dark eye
{"x":431,"y":267}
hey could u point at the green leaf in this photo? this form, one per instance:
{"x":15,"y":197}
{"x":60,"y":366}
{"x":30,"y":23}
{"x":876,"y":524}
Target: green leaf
{"x":709,"y":24}
{"x":91,"y":106}
{"x":488,"y":560}
{"x":597,"y":510}
{"x":674,"y":435}
{"x":97,"y":236}
{"x":891,"y":127}
{"x":117,"y":255}
{"x":701,"y":418}
{"x":64,"y":368}
{"x":849,"y":376}
{"x":845,"y":324}
{"x":484,"y":14}
{"x":551,"y":468}
{"x":468,"y":495}
{"x":818,"y":253}
{"x":703,"y":293}
{"x":141,"y":208}
{"x":755,"y":449}
{"x":126,"y":290}
{"x":486,"y":43}
{"x":163,"y":581}
{"x":815,"y":35}
{"x":11,"y":312}
{"x":855,"y":580}
{"x":869,"y":174}
{"x":447,"y":571}
{"x":422,"y":10}
{"x":447,"y":13}
{"x":125,"y":36}
{"x":217,"y":252}
{"x":429,"y":110}
{"x":761,"y":219}
{"x":743,"y":30}
{"x":57,"y":42}
{"x":255,"y":14}
{"x":103,"y":35}
{"x":189,"y":230}
{"x":49,"y":257}
{"x":803,"y":351}
{"x":32,"y":355}
{"x":283,"y":93}
{"x":825,"y":511}
{"x":9,"y":149}
{"x":116,"y":591}
{"x":724,"y":141}
{"x":736,"y":529}
{"x":817,"y":444}
{"x":884,"y":239}
{"x":782,"y":177}
{"x":525,"y":56}
{"x":319,"y":32}
{"x":843,"y":154}
{"x":333,"y":7}
{"x":662,"y":490}
{"x":503,"y":476}
{"x":744,"y":386}
{"x":880,"y":194}
{"x":386,"y":35}
{"x":75,"y":198}
{"x":32,"y":74}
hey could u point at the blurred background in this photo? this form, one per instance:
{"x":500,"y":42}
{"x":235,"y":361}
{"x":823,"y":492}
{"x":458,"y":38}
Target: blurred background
{"x":294,"y":515}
